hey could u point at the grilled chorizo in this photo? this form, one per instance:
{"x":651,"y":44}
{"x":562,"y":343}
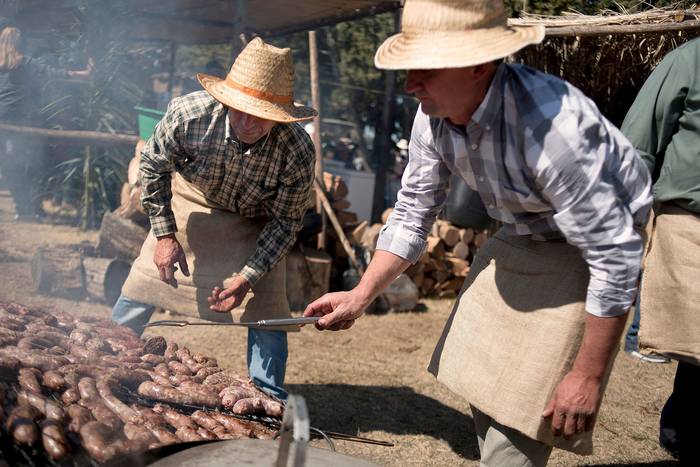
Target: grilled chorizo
{"x":27,"y":379}
{"x":53,"y":439}
{"x":20,"y":424}
{"x":53,"y":380}
{"x":79,"y":416}
{"x":47,"y":407}
{"x":168,"y":394}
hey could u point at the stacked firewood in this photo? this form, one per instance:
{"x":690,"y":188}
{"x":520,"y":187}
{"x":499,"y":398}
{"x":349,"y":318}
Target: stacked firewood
{"x":80,"y":385}
{"x":442,"y":269}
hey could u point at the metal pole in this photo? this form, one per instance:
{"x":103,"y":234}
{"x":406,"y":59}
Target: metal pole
{"x":383,"y":148}
{"x":316,"y":103}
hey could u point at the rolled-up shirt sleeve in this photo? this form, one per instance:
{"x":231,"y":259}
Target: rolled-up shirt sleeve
{"x":422,"y":194}
{"x":600,"y":205}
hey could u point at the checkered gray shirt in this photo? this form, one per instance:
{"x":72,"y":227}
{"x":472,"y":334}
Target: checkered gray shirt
{"x":547,"y":164}
{"x":272,"y":179}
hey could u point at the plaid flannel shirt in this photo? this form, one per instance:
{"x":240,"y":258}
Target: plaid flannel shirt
{"x":547,"y":164}
{"x":271,"y":179}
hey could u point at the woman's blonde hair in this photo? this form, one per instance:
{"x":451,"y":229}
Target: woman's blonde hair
{"x":10,"y":56}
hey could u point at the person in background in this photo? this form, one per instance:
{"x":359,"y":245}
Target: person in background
{"x":226,"y":177}
{"x":664,"y":125}
{"x":532,"y":337}
{"x":23,"y":159}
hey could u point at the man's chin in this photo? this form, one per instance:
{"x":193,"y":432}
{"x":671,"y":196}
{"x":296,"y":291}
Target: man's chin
{"x":245,"y":140}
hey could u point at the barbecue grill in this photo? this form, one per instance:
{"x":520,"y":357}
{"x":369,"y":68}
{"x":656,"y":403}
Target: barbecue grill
{"x":281,"y":442}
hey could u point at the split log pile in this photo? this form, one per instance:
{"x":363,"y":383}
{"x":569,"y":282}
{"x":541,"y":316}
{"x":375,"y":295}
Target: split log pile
{"x":80,"y":385}
{"x":442,"y":269}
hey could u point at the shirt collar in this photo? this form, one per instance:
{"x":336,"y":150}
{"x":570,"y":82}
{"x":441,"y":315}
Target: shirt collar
{"x":491,"y":107}
{"x":227,"y":132}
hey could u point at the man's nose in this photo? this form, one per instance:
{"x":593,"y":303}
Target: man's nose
{"x":413,"y":83}
{"x":248,"y":121}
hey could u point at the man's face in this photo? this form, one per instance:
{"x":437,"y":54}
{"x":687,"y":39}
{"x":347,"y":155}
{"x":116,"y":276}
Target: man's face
{"x":248,"y":128}
{"x":448,"y":92}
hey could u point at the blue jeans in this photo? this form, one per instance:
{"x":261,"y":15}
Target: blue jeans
{"x":267,"y":350}
{"x":632,"y":336}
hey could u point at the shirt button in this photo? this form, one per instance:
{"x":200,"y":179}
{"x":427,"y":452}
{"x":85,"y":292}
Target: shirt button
{"x":491,"y":206}
{"x":481,"y":179}
{"x":488,"y":127}
{"x":474,"y":147}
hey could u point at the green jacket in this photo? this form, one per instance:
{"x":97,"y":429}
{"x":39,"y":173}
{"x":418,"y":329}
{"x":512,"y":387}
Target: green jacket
{"x":664,"y":126}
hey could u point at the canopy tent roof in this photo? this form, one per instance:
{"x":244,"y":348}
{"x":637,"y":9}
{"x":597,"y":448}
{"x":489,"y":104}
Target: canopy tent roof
{"x":193,"y":21}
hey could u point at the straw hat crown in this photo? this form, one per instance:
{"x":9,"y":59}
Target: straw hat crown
{"x":453,"y":34}
{"x":451,"y":16}
{"x":260,"y":83}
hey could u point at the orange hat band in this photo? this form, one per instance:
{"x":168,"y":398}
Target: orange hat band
{"x":274,"y":98}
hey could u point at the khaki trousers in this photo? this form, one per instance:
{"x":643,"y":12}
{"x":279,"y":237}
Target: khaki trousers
{"x":501,"y":446}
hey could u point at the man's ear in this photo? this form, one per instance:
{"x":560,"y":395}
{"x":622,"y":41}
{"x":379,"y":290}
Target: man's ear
{"x":481,"y":71}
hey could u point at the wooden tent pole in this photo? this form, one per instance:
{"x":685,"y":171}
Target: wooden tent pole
{"x":72,"y":137}
{"x":383,"y":148}
{"x":316,"y":103}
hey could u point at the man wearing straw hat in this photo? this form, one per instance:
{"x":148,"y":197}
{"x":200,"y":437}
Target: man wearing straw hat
{"x":226,"y":179}
{"x":532,"y":336}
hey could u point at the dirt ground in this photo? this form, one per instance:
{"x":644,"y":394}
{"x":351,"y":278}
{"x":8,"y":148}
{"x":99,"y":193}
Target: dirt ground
{"x":371,"y":380}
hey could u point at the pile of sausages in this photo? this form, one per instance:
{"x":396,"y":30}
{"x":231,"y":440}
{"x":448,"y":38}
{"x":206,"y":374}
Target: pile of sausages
{"x":70,"y":383}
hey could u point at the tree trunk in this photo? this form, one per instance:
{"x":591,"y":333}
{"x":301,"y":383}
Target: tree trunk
{"x":120,"y":238}
{"x":308,"y":277}
{"x":104,"y":278}
{"x":58,"y":271}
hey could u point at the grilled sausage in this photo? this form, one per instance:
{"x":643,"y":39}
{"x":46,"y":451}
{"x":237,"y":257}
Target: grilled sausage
{"x":233,"y":425}
{"x":123,"y":411}
{"x":8,"y":364}
{"x":53,"y":380}
{"x":88,"y":389}
{"x":171,"y":351}
{"x":186,"y":433}
{"x":28,"y":380}
{"x":231,"y":395}
{"x":53,"y":439}
{"x":248,"y":406}
{"x":102,"y":414}
{"x":47,"y":407}
{"x":79,"y":416}
{"x":139,"y":435}
{"x":101,"y":442}
{"x":179,"y":368}
{"x":20,"y":424}
{"x":173,"y":417}
{"x":168,"y":394}
{"x":70,"y":396}
{"x":153,"y":359}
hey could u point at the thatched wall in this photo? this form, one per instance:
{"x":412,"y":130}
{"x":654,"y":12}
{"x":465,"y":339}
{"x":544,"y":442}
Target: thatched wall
{"x":603,"y":58}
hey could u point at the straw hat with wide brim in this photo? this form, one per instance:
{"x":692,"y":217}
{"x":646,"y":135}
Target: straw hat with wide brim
{"x":453,"y":34}
{"x":260,"y":83}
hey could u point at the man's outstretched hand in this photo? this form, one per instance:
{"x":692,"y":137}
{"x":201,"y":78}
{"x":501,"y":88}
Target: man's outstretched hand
{"x":225,"y":300}
{"x":168,"y":253}
{"x":338,"y":310}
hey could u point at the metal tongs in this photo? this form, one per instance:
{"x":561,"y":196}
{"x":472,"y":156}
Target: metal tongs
{"x":263,"y":323}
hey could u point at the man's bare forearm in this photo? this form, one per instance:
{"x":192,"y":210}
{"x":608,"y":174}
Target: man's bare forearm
{"x":381,"y":272}
{"x":601,"y":338}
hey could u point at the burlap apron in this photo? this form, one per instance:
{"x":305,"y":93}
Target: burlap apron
{"x":217,"y":243}
{"x":670,"y":295}
{"x":514,"y":333}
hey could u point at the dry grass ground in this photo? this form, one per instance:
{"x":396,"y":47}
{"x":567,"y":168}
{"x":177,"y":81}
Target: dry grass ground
{"x":371,"y":380}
